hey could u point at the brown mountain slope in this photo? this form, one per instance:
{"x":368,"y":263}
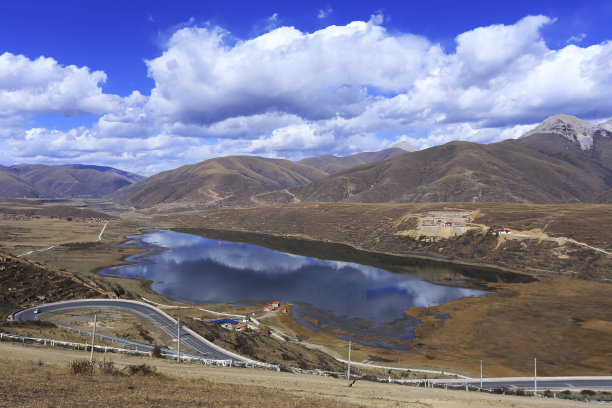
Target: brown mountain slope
{"x":331,"y":164}
{"x":508,"y":171}
{"x":604,"y":198}
{"x":228,"y":180}
{"x":12,"y":187}
{"x":69,"y":181}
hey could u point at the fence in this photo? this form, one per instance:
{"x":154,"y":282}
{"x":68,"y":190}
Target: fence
{"x":110,"y":349}
{"x":69,"y":344}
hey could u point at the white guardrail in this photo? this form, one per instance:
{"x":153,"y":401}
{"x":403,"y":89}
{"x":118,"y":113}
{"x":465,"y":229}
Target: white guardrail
{"x":243,"y":361}
{"x":110,"y":349}
{"x":460,"y":381}
{"x":414,"y":370}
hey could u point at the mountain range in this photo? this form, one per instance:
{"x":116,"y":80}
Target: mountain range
{"x":74,"y":180}
{"x":562,"y":160}
{"x":236,"y":180}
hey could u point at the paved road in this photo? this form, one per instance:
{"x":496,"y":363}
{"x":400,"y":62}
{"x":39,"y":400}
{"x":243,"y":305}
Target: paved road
{"x":161,"y":319}
{"x":544,"y":383}
{"x":201,"y":345}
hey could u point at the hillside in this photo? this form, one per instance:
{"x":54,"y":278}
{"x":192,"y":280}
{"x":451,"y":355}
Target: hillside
{"x":542,"y":167}
{"x":131,"y":177}
{"x":231,"y":180}
{"x":563,"y":160}
{"x":13,"y":187}
{"x":331,"y":164}
{"x":38,"y":180}
{"x":24,"y":284}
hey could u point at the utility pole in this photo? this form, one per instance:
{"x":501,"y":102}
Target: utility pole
{"x":348,"y":373}
{"x":480,"y":373}
{"x":178,"y":343}
{"x":93,"y":337}
{"x":535,"y":376}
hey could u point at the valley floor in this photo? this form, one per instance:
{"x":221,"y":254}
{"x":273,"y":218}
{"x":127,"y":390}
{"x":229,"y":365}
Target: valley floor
{"x":562,"y":317}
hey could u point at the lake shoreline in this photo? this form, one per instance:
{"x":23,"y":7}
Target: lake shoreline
{"x":362,"y":298}
{"x":341,"y":251}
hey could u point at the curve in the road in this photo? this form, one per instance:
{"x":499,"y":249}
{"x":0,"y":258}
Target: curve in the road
{"x":157,"y":316}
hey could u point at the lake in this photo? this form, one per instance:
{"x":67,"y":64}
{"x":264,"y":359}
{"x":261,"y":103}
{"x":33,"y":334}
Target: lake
{"x":358,"y":302}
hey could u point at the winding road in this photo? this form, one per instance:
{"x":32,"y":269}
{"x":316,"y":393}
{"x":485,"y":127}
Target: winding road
{"x":157,"y":316}
{"x":212,"y":351}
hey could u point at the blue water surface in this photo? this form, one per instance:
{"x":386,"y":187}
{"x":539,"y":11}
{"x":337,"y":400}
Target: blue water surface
{"x":364,"y":302}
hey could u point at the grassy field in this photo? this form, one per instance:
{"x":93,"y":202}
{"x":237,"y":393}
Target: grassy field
{"x":40,"y":377}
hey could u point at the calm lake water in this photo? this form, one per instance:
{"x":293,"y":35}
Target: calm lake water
{"x":363,"y":303}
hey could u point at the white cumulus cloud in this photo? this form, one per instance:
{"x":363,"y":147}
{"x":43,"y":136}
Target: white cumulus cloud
{"x":289,"y":93}
{"x":44,"y":86}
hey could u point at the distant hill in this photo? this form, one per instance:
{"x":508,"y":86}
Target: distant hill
{"x":13,"y":187}
{"x":38,"y":180}
{"x":231,"y":180}
{"x":331,"y":164}
{"x":604,"y":198}
{"x":563,"y":160}
{"x":571,"y":139}
{"x":552,"y":164}
{"x":131,"y":177}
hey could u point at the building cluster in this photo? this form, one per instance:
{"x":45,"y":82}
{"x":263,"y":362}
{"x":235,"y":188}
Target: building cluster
{"x":251,"y":325}
{"x":271,"y":307}
{"x":26,"y":217}
{"x":500,"y":230}
{"x":19,"y":217}
{"x":446,"y":219}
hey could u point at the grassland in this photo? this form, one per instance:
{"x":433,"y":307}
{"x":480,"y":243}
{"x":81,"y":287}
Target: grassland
{"x":561,"y":316}
{"x":40,"y":377}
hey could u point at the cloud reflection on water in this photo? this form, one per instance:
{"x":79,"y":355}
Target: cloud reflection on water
{"x":200,"y":270}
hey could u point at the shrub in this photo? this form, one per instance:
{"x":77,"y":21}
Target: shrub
{"x":107,"y":367}
{"x":142,"y":369}
{"x":157,"y":353}
{"x":588,"y":393}
{"x":78,"y":367}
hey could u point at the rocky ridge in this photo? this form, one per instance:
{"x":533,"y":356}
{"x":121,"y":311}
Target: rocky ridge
{"x":576,"y":130}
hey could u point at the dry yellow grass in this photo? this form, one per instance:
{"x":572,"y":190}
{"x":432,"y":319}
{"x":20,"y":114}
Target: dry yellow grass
{"x":24,"y":382}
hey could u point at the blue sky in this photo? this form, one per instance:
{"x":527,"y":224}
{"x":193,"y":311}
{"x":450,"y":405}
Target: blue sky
{"x":151,"y":85}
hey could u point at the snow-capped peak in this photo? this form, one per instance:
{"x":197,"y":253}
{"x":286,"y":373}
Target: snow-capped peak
{"x":607,"y":125}
{"x":576,"y":130}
